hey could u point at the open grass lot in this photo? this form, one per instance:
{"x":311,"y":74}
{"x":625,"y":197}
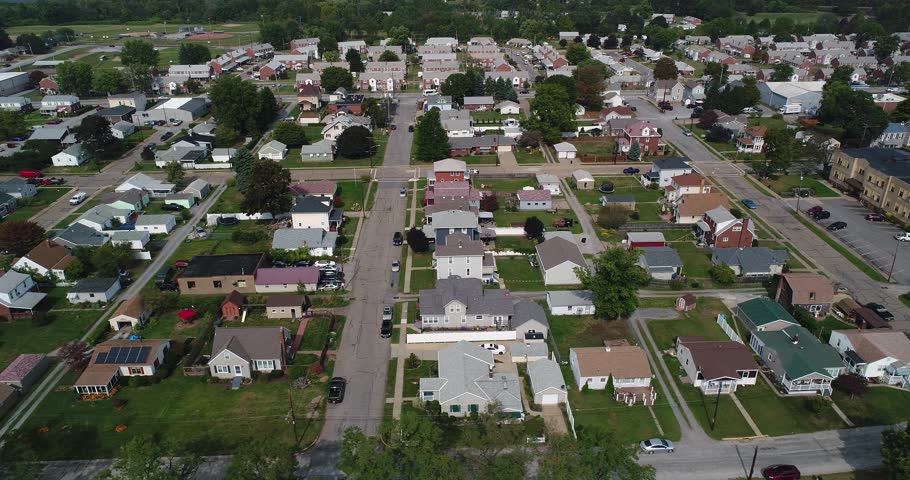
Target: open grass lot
{"x":22,"y":336}
{"x":880,"y":406}
{"x":507,"y":219}
{"x":422,"y":279}
{"x":480,"y":159}
{"x":730,"y":422}
{"x":583,"y":331}
{"x":228,"y":202}
{"x":412,"y":377}
{"x":320,"y":328}
{"x":769,"y":122}
{"x":596,"y":408}
{"x":519,"y":275}
{"x":528,"y":157}
{"x":29,"y":207}
{"x":206,"y":419}
{"x":518,"y":244}
{"x":784,"y":415}
{"x":785,"y":184}
{"x":700,"y":134}
{"x":696,"y":261}
{"x":700,"y":321}
{"x":352,"y":192}
{"x":647,"y":213}
{"x":599,"y":148}
{"x":511,"y":185}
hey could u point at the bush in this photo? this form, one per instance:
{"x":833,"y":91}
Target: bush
{"x":737,"y":213}
{"x":275,"y":374}
{"x":722,"y":274}
{"x":248,"y":237}
{"x":139,"y":381}
{"x":39,"y":319}
{"x":612,"y":217}
{"x":816,"y":404}
{"x":412,"y":362}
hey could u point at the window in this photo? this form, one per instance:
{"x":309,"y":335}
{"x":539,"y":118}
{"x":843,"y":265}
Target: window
{"x":468,"y":273}
{"x":241,"y":283}
{"x":222,"y":369}
{"x":136,"y":370}
{"x":478,"y":317}
{"x":724,"y":239}
{"x":454,"y":408}
{"x":473,"y":408}
{"x":227,"y":356}
{"x":265,"y":364}
{"x":450,"y":260}
{"x":737,"y":229}
{"x":190,"y":285}
{"x":216,"y":284}
{"x":91,"y":295}
{"x":427,"y":395}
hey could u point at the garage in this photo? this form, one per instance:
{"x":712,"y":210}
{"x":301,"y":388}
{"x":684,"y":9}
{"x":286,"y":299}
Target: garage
{"x":547,"y":382}
{"x":549,"y":399}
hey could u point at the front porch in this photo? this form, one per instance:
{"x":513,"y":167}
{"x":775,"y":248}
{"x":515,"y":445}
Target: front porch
{"x":632,"y":395}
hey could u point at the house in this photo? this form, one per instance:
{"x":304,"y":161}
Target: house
{"x":877,"y":355}
{"x":315,"y":212}
{"x":807,"y":290}
{"x":645,"y":239}
{"x":9,"y":396}
{"x":752,"y":139}
{"x":320,"y":188}
{"x":17,"y":187}
{"x":120,"y":358}
{"x":684,"y":69}
{"x":183,"y":152}
{"x":478,"y":103}
{"x":763,"y":314}
{"x":45,"y":259}
{"x":691,"y":208}
{"x":7,"y":204}
{"x":448,"y":170}
{"x":286,"y":306}
{"x":558,"y":259}
{"x":549,"y":182}
{"x":895,"y":135}
{"x":136,"y":240}
{"x":135,"y":100}
{"x":223,"y":155}
{"x":131,"y":313}
{"x":57,"y":104}
{"x":287,"y":280}
{"x":79,"y":235}
{"x":693,"y":92}
{"x":617,"y":112}
{"x":547,"y":383}
{"x":626,"y":365}
{"x":174,"y":109}
{"x":61,"y":135}
{"x":439,"y":102}
{"x":534,"y":200}
{"x":463,"y":303}
{"x":274,"y":150}
{"x":220,"y":274}
{"x":716,"y":367}
{"x":24,"y":371}
{"x":457,"y":123}
{"x":102,"y":217}
{"x":336,"y":124}
{"x":887,"y":101}
{"x":571,"y":302}
{"x":720,"y":229}
{"x":439,"y":224}
{"x":530,"y":321}
{"x":132,"y":200}
{"x":185,"y":200}
{"x":662,"y":263}
{"x":565,"y":150}
{"x":94,"y":289}
{"x":122,"y":129}
{"x":321,"y":151}
{"x":233,"y":305}
{"x":15,"y":104}
{"x":797,"y":360}
{"x":198,"y":72}
{"x":117,"y":114}
{"x":143,"y":182}
{"x":467,"y":384}
{"x":308,"y":95}
{"x":238,"y":352}
{"x":483,"y":145}
{"x":666,"y":90}
{"x":664,"y":169}
{"x":522,"y":352}
{"x":508,"y":107}
{"x":460,"y":256}
{"x":316,"y":241}
{"x":16,"y":298}
{"x":688,"y":184}
{"x":342,"y":101}
{"x":198,"y":188}
{"x":756,"y":262}
{"x":583,"y":180}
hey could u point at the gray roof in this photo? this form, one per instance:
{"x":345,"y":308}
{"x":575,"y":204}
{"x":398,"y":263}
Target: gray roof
{"x":526,"y":311}
{"x":889,"y":161}
{"x":15,"y":184}
{"x":312,"y":205}
{"x":118,"y":111}
{"x":459,"y":244}
{"x":129,"y":235}
{"x":485,"y":141}
{"x":571,"y":298}
{"x":545,"y":374}
{"x":6,"y":198}
{"x":755,"y":260}
{"x":469,"y":292}
{"x":295,"y":238}
{"x":555,"y":251}
{"x":454,"y":219}
{"x":646,"y":237}
{"x":161,"y":219}
{"x":93,"y":285}
{"x":10,"y":279}
{"x":547,"y":178}
{"x":465,"y":369}
{"x":252,"y":343}
{"x":522,"y":349}
{"x":671,"y":163}
{"x":198,"y":184}
{"x":661,"y":257}
{"x":49,"y":133}
{"x":102,"y":214}
{"x":720,"y":215}
{"x":78,"y":234}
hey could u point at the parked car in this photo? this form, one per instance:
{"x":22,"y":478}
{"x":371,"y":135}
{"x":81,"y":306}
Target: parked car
{"x":633,"y":108}
{"x":330,"y":286}
{"x":902,"y":237}
{"x":656,"y":445}
{"x":78,"y":198}
{"x":630,"y":171}
{"x":181,"y":263}
{"x":781,"y":472}
{"x":822,"y":215}
{"x":162,"y":275}
{"x":385,"y":329}
{"x":814,"y":210}
{"x":278,"y":264}
{"x":687,"y":133}
{"x":387,"y":312}
{"x":750,"y":204}
{"x":171,"y":207}
{"x":228,"y":220}
{"x":336,"y":389}
{"x":323,"y":264}
{"x":18,"y":138}
{"x":750,"y":110}
{"x":303,"y":263}
{"x":402,"y":193}
{"x":875,"y":217}
{"x":411,"y":128}
{"x":151,"y":146}
{"x":166,"y":136}
{"x":30,"y":174}
{"x":200,"y":232}
{"x":54,"y":121}
{"x":397,"y":239}
{"x":496,"y":348}
{"x":393,"y":126}
{"x":837,"y":226}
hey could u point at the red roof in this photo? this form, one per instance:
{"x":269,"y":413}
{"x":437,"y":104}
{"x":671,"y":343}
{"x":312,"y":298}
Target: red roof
{"x":688,"y":180}
{"x":637,"y":129}
{"x":534,"y":195}
{"x":324,"y":187}
{"x":187,"y":314}
{"x":622,"y":110}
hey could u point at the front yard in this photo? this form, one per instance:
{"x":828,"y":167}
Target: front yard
{"x":598,"y":409}
{"x":880,"y":406}
{"x":776,"y":415}
{"x":527,"y":157}
{"x":696,"y":261}
{"x":28,"y":207}
{"x":599,"y":148}
{"x":24,"y":336}
{"x":783,"y":185}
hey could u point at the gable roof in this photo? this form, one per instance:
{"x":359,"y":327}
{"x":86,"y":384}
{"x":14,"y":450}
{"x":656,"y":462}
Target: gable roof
{"x":250,"y":343}
{"x":570,"y":298}
{"x":874,"y":345}
{"x":311,"y":204}
{"x":582,"y":176}
{"x":285,"y":301}
{"x":799,"y":352}
{"x":537,"y":195}
{"x":544,"y":375}
{"x":50,"y":255}
{"x":802,"y":284}
{"x":624,"y":361}
{"x":656,"y":257}
{"x":131,"y":307}
{"x":755,"y":260}
{"x":467,"y":291}
{"x":296,"y":238}
{"x":763,"y":311}
{"x":459,"y":244}
{"x":464,"y":369}
{"x":449,"y":165}
{"x":94,"y":285}
{"x":556,"y":251}
{"x":232,"y":264}
{"x":321,"y":187}
{"x":719,"y":359}
{"x":78,"y":234}
{"x":697,"y":204}
{"x":19,"y":368}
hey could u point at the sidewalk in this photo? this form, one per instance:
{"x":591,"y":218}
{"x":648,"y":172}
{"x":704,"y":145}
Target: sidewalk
{"x":398,"y":395}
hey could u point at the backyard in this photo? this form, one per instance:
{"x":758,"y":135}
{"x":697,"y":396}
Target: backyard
{"x":507,"y":219}
{"x":23,"y":336}
{"x":318,"y":329}
{"x":518,"y":274}
{"x":598,"y":148}
{"x":583,"y":331}
{"x":30,"y":206}
{"x":525,"y":157}
{"x":597,"y":408}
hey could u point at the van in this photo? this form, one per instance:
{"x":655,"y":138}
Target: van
{"x":161,"y":276}
{"x":428,"y":92}
{"x":30,"y":174}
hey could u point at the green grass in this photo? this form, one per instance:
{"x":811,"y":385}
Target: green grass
{"x":598,"y":409}
{"x":510,"y":185}
{"x":798,"y":17}
{"x":31,"y":206}
{"x":480,"y":159}
{"x":352,"y":192}
{"x":785,"y":184}
{"x":507,"y":219}
{"x":412,"y":377}
{"x":228,"y":202}
{"x":519,"y":275}
{"x":729,"y":423}
{"x":390,"y":377}
{"x":318,"y":329}
{"x":22,"y":336}
{"x":857,"y":262}
{"x":648,"y":213}
{"x":168,"y":325}
{"x":699,"y":133}
{"x":880,"y":406}
{"x":784,"y":415}
{"x":696,"y":261}
{"x":598,"y":148}
{"x":583,"y":331}
{"x":421,"y":279}
{"x":519,"y":244}
{"x":525,"y":157}
{"x":421,"y":259}
{"x":698,"y":322}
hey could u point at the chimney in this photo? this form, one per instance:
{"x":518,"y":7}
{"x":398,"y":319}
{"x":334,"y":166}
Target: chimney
{"x":795,"y":339}
{"x":491,"y":374}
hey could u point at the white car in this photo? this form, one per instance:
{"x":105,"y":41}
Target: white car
{"x":78,"y":198}
{"x":324,"y":264}
{"x":396,"y":265}
{"x":902,"y":237}
{"x":656,"y":445}
{"x":750,"y":110}
{"x":687,"y":133}
{"x":200,"y":232}
{"x":402,"y":193}
{"x":496,"y":348}
{"x":386,"y":312}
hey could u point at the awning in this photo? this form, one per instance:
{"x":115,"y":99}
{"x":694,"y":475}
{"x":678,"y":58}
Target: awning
{"x":703,"y":226}
{"x":187,"y":314}
{"x":27,"y":301}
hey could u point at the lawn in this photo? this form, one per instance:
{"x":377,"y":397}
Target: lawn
{"x":507,"y":219}
{"x":352,"y":192}
{"x":22,"y":336}
{"x":480,"y":159}
{"x":207,"y":419}
{"x":519,"y":244}
{"x":390,"y":378}
{"x":696,"y":261}
{"x":318,"y":329}
{"x":699,"y":322}
{"x":510,"y":185}
{"x":648,"y":213}
{"x":526,"y":157}
{"x":596,"y":408}
{"x":519,"y":275}
{"x":421,"y":259}
{"x":412,"y":377}
{"x":598,"y":148}
{"x":785,"y":184}
{"x":168,"y":325}
{"x":784,"y":415}
{"x":729,"y":422}
{"x":880,"y":406}
{"x":228,"y":202}
{"x":699,"y":133}
{"x":583,"y":331}
{"x":421,"y":279}
{"x":770,"y":122}
{"x":28,"y":207}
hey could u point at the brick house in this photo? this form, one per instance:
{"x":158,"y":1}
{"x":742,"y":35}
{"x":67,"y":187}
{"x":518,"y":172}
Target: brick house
{"x":645,"y":134}
{"x":720,"y":229}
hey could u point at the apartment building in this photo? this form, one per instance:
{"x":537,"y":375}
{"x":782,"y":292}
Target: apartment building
{"x":879,"y":176}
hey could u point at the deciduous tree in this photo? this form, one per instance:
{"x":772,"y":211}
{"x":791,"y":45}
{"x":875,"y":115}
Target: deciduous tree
{"x":12,"y":124}
{"x":376,"y":110}
{"x":722,"y":274}
{"x":262,"y":462}
{"x":885,"y":45}
{"x":589,"y":81}
{"x":138,"y":52}
{"x":267,"y":191}
{"x":577,"y":52}
{"x":533,"y":227}
{"x":74,"y":354}
{"x":355,"y":142}
{"x":74,"y":78}
{"x":108,"y":82}
{"x":552,"y":112}
{"x":665,"y":69}
{"x":896,"y":452}
{"x":175,"y":172}
{"x":142,"y":457}
{"x":854,"y":111}
{"x":193,"y":54}
{"x":20,"y":236}
{"x":94,"y":133}
{"x":291,"y":134}
{"x":457,"y":85}
{"x":108,"y":259}
{"x":333,"y":78}
{"x":614,"y":280}
{"x":388,"y":56}
{"x":489,"y":203}
{"x":353,"y":58}
{"x":238,"y":105}
{"x":612,"y":217}
{"x":417,"y":240}
{"x":852,"y":383}
{"x":782,"y":73}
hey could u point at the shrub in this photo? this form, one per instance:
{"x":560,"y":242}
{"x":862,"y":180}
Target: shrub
{"x":737,"y":213}
{"x":612,"y":217}
{"x":412,"y":361}
{"x":275,"y":374}
{"x":722,"y":274}
{"x":816,"y":404}
{"x":248,"y":236}
{"x":39,"y":319}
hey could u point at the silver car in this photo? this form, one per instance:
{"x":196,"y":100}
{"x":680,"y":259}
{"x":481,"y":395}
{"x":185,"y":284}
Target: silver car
{"x":656,"y":445}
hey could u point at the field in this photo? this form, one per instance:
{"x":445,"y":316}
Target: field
{"x":240,"y":33}
{"x":23,"y":336}
{"x":785,"y":184}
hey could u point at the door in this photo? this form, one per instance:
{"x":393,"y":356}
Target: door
{"x":549,"y":399}
{"x":294,"y":313}
{"x":238,"y":371}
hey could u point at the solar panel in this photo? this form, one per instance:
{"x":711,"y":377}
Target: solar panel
{"x":144,"y":353}
{"x":122,"y":354}
{"x":112,"y":354}
{"x":102,"y":358}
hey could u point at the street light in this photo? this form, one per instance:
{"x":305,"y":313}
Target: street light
{"x":894,"y":260}
{"x":799,"y":191}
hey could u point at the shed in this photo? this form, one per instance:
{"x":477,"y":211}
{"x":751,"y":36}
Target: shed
{"x":286,"y":306}
{"x":232,"y":305}
{"x":24,"y":371}
{"x":686,"y":302}
{"x":547,"y":382}
{"x":565,"y":150}
{"x":528,"y":352}
{"x":583,"y":179}
{"x":199,"y":188}
{"x":130,"y":313}
{"x":645,"y":239}
{"x":845,"y":307}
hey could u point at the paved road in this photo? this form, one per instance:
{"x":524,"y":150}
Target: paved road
{"x":18,"y":65}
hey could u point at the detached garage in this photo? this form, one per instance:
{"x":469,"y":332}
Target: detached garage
{"x":547,"y":382}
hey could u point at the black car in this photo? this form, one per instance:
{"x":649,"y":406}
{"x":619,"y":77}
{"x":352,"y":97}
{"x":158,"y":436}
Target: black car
{"x":881,"y":311}
{"x":166,"y":136}
{"x":385,"y":330}
{"x":171,"y":207}
{"x":303,"y":263}
{"x":279,"y":264}
{"x":336,"y":389}
{"x":397,"y":239}
{"x":162,"y":276}
{"x":822,"y":215}
{"x":837,"y":226}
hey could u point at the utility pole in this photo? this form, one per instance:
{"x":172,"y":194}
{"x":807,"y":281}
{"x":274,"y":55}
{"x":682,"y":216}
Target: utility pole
{"x":894,"y":260}
{"x":799,"y":191}
{"x":293,"y":415}
{"x":716,"y":405}
{"x":752,"y":468}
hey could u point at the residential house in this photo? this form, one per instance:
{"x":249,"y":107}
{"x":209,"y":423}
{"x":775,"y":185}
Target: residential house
{"x":547,"y":383}
{"x":341,"y":121}
{"x":550,"y":182}
{"x":93,"y":290}
{"x":342,"y":101}
{"x":797,"y":360}
{"x":79,"y":235}
{"x":626,"y":365}
{"x":223,"y":155}
{"x":183,"y":109}
{"x":583,"y":180}
{"x":45,"y":259}
{"x":135,"y":100}
{"x":571,"y":302}
{"x":61,"y":135}
{"x":751,"y":140}
{"x":57,"y":104}
{"x":666,"y":90}
{"x":136,"y":240}
{"x":645,"y":240}
{"x":130,"y":314}
{"x":121,"y":113}
{"x":881,"y":356}
{"x":684,"y":69}
{"x":763,"y":314}
{"x":286,"y":280}
{"x":143,"y":182}
{"x":24,"y":371}
{"x":15,"y":104}
{"x":7,"y":204}
{"x":461,"y":257}
{"x":895,"y":135}
{"x":286,"y":306}
{"x":122,"y":129}
{"x":720,"y":229}
{"x":315,"y":241}
{"x":238,"y":352}
{"x":558,"y":259}
{"x":321,"y":151}
{"x":457,"y":123}
{"x":220,"y":274}
{"x":17,"y":187}
{"x":466,"y":383}
{"x":184,"y":153}
{"x":439,"y":224}
{"x":448,"y":170}
{"x":530,"y":321}
{"x":478,"y":103}
{"x":716,"y":367}
{"x":102,"y":217}
{"x":198,"y":188}
{"x":691,"y":208}
{"x":484,"y":145}
{"x":47,"y":85}
{"x":462,"y":303}
{"x":661,"y":263}
{"x":17,"y":300}
{"x":274,"y":150}
{"x":687,"y":184}
{"x":316,"y":212}
{"x":756,"y":262}
{"x":522,"y":352}
{"x":693,"y":92}
{"x":308,"y":97}
{"x":664,"y":169}
{"x":321,"y":188}
{"x":162,"y":223}
{"x":185,"y":200}
{"x":613,"y":113}
{"x":117,"y":358}
{"x":508,"y":107}
{"x":806,"y":290}
{"x":534,"y":200}
{"x":439,"y":102}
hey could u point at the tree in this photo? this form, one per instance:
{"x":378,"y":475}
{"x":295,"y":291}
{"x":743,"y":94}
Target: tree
{"x":174,"y":171}
{"x":782,"y":73}
{"x":530,"y":139}
{"x":389,"y":56}
{"x":34,"y":77}
{"x":593,"y":41}
{"x":353,"y":58}
{"x":142,"y":457}
{"x":333,"y":78}
{"x":109,"y":259}
{"x":851,"y":383}
{"x":32,"y":42}
{"x":291,"y":134}
{"x":566,"y":82}
{"x":193,"y":54}
{"x":12,"y":124}
{"x":634,"y":154}
{"x":138,"y":52}
{"x":489,"y":203}
{"x":533,"y":227}
{"x":417,"y":240}
{"x":74,"y":354}
{"x":717,"y":71}
{"x":901,"y":112}
{"x":266,"y":107}
{"x":139,"y":76}
{"x":589,"y":81}
{"x":262,"y":462}
{"x":238,"y":105}
{"x":665,"y":69}
{"x":376,"y":110}
{"x":267,"y":191}
{"x":552,"y":112}
{"x":885,"y":45}
{"x":74,"y":270}
{"x":722,"y":274}
{"x":458,"y":86}
{"x":431,"y":143}
{"x":331,"y":55}
{"x":612,"y":217}
{"x":224,"y":137}
{"x":20,"y":236}
{"x":74,"y":78}
{"x":708,"y":119}
{"x":659,"y":21}
{"x":577,"y":52}
{"x":399,"y":36}
{"x":108,"y":82}
{"x":852,"y":110}
{"x":94,"y":133}
{"x":780,"y":150}
{"x":243,"y":167}
{"x":614,"y":280}
{"x":896,"y":452}
{"x":355,"y":142}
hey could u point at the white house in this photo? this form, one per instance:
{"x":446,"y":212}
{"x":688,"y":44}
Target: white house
{"x":141,"y":181}
{"x":237,"y":352}
{"x":223,"y":155}
{"x":547,"y":383}
{"x":315,"y":212}
{"x":163,"y":223}
{"x":94,"y":290}
{"x":508,"y":107}
{"x":101,"y":217}
{"x":571,"y":302}
{"x":534,"y":200}
{"x":565,"y":150}
{"x":72,"y":156}
{"x":459,"y":257}
{"x":548,"y":181}
{"x":16,"y":297}
{"x":46,"y":258}
{"x":594,"y":366}
{"x":875,"y":354}
{"x":558,"y":259}
{"x":122,"y":129}
{"x":273,"y":150}
{"x":664,"y":169}
{"x":716,"y":366}
{"x":135,"y":239}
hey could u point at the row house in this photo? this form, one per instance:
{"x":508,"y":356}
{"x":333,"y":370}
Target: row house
{"x":449,"y":42}
{"x":439,"y":57}
{"x":738,"y":41}
{"x":486,"y":60}
{"x":307,"y":79}
{"x":697,"y":40}
{"x":472,"y":50}
{"x":373,"y":53}
{"x":824,"y":57}
{"x":199,"y":72}
{"x":895,"y":135}
{"x":433,"y":80}
{"x":424,"y":50}
{"x":293,"y":62}
{"x":260,"y":50}
{"x":801,"y":47}
{"x":388,"y":81}
{"x":358,"y":46}
{"x":482,"y":41}
{"x":306,"y":45}
{"x":319,"y":67}
{"x":855,"y":62}
{"x":440,"y":66}
{"x":386,"y":67}
{"x":719,"y":57}
{"x":55,"y":104}
{"x":698,"y":53}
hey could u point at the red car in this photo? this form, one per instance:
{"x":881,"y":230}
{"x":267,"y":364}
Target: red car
{"x":781,"y":472}
{"x":30,"y":174}
{"x":182,"y":263}
{"x":814,"y":210}
{"x":54,"y":121}
{"x":99,"y":108}
{"x":875,"y":217}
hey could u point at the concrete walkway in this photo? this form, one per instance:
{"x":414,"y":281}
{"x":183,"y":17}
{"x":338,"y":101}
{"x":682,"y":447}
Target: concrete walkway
{"x":399,"y":365}
{"x":840,"y":413}
{"x":507,"y":159}
{"x":746,"y":415}
{"x":299,"y":337}
{"x":554,"y":419}
{"x":592,"y":243}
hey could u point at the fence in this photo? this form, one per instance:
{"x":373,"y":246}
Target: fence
{"x":509,"y":231}
{"x":554,"y":348}
{"x":470,"y":336}
{"x":212,"y":218}
{"x":212,"y":166}
{"x":722,"y":321}
{"x":645,"y":227}
{"x":571,"y":418}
